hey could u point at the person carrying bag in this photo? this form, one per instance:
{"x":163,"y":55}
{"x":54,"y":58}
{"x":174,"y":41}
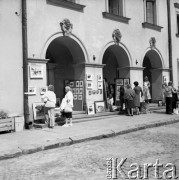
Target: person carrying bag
{"x":67,"y":107}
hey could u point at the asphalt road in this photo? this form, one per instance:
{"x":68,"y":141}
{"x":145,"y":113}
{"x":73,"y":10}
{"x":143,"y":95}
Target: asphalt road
{"x":156,"y":147}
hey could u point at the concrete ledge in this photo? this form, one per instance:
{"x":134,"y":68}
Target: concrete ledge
{"x":11,"y":154}
{"x":29,"y":149}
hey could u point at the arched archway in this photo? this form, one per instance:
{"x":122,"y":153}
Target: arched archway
{"x":153,"y":65}
{"x":65,"y":55}
{"x":117,"y":63}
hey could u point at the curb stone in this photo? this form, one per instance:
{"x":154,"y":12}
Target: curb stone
{"x":29,"y":149}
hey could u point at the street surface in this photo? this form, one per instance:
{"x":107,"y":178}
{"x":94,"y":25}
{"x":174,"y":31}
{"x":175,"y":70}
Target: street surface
{"x":87,"y":161}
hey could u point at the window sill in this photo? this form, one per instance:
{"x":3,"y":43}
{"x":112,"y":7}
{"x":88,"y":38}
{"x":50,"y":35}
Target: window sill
{"x":116,"y":18}
{"x":66,"y":4}
{"x":151,"y":26}
{"x":177,"y":35}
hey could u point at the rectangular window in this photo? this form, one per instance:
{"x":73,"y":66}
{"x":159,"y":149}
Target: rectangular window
{"x":151,"y":11}
{"x":177,"y":24}
{"x":116,"y":7}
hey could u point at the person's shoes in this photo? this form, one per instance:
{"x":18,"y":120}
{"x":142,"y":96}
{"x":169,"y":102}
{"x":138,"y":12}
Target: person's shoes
{"x":127,"y":114}
{"x":70,"y":124}
{"x":65,"y":125}
{"x":131,"y":114}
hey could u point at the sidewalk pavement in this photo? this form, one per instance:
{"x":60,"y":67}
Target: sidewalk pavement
{"x":31,"y":141}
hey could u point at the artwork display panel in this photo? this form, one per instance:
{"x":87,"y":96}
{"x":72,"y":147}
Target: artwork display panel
{"x":119,"y":82}
{"x":32,"y":90}
{"x":43,"y":90}
{"x":89,"y":77}
{"x":100,"y":106}
{"x":100,"y":77}
{"x":90,"y":109}
{"x":36,"y":71}
{"x":38,"y":110}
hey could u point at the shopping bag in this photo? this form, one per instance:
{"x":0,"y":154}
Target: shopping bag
{"x":68,"y":108}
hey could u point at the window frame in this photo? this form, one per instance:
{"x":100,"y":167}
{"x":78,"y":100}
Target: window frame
{"x":120,"y":8}
{"x":120,"y":18}
{"x":67,"y":4}
{"x":153,"y":25}
{"x":176,"y":5}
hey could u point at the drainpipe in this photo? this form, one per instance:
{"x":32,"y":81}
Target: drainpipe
{"x":25,"y":63}
{"x":169,"y":40}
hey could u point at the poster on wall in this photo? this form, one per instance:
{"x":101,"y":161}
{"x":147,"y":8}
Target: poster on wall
{"x":36,"y":71}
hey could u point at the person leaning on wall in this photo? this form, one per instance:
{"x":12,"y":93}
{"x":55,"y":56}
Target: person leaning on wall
{"x":49,"y":99}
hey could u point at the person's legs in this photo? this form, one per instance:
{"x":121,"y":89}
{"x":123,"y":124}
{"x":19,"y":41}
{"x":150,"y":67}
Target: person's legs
{"x":131,"y":111}
{"x":128,"y":111}
{"x":51,"y":117}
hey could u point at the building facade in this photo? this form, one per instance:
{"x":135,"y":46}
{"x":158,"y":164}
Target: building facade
{"x":82,"y":41}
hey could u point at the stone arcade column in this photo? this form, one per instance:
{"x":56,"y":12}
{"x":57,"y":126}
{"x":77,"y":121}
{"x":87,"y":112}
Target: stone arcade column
{"x":93,"y":88}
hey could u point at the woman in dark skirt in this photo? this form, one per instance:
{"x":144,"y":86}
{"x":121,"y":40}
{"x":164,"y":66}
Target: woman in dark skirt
{"x":138,"y":91}
{"x":129,"y":98}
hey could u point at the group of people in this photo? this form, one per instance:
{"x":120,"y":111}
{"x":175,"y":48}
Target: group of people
{"x":131,"y":98}
{"x":49,"y":98}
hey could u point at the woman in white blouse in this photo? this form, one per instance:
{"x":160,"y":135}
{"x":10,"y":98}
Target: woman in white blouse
{"x":67,"y":106}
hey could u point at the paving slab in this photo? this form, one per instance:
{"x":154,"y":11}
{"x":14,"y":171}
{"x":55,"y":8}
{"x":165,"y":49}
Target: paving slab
{"x":31,"y":141}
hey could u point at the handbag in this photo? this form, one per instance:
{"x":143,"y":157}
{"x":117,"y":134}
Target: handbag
{"x":68,"y":108}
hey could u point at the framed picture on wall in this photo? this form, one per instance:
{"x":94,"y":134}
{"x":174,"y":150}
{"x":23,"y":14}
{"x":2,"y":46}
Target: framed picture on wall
{"x":71,"y":84}
{"x":89,"y":77}
{"x":100,"y":85}
{"x":36,"y":71}
{"x":75,"y":97}
{"x":119,"y":82}
{"x":43,"y":90}
{"x":77,"y":83}
{"x":38,"y":110}
{"x":32,"y":90}
{"x":89,"y":85}
{"x":77,"y":90}
{"x":74,"y":90}
{"x":80,"y":97}
{"x":126,"y":82}
{"x":100,"y":78}
{"x":81,"y":83}
{"x":99,"y":106}
{"x":90,"y":109}
{"x":81,"y":91}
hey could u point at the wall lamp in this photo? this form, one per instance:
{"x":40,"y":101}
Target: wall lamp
{"x":94,"y":57}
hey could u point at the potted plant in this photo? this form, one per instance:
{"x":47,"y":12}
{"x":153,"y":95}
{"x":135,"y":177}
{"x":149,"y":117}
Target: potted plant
{"x":6,"y":123}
